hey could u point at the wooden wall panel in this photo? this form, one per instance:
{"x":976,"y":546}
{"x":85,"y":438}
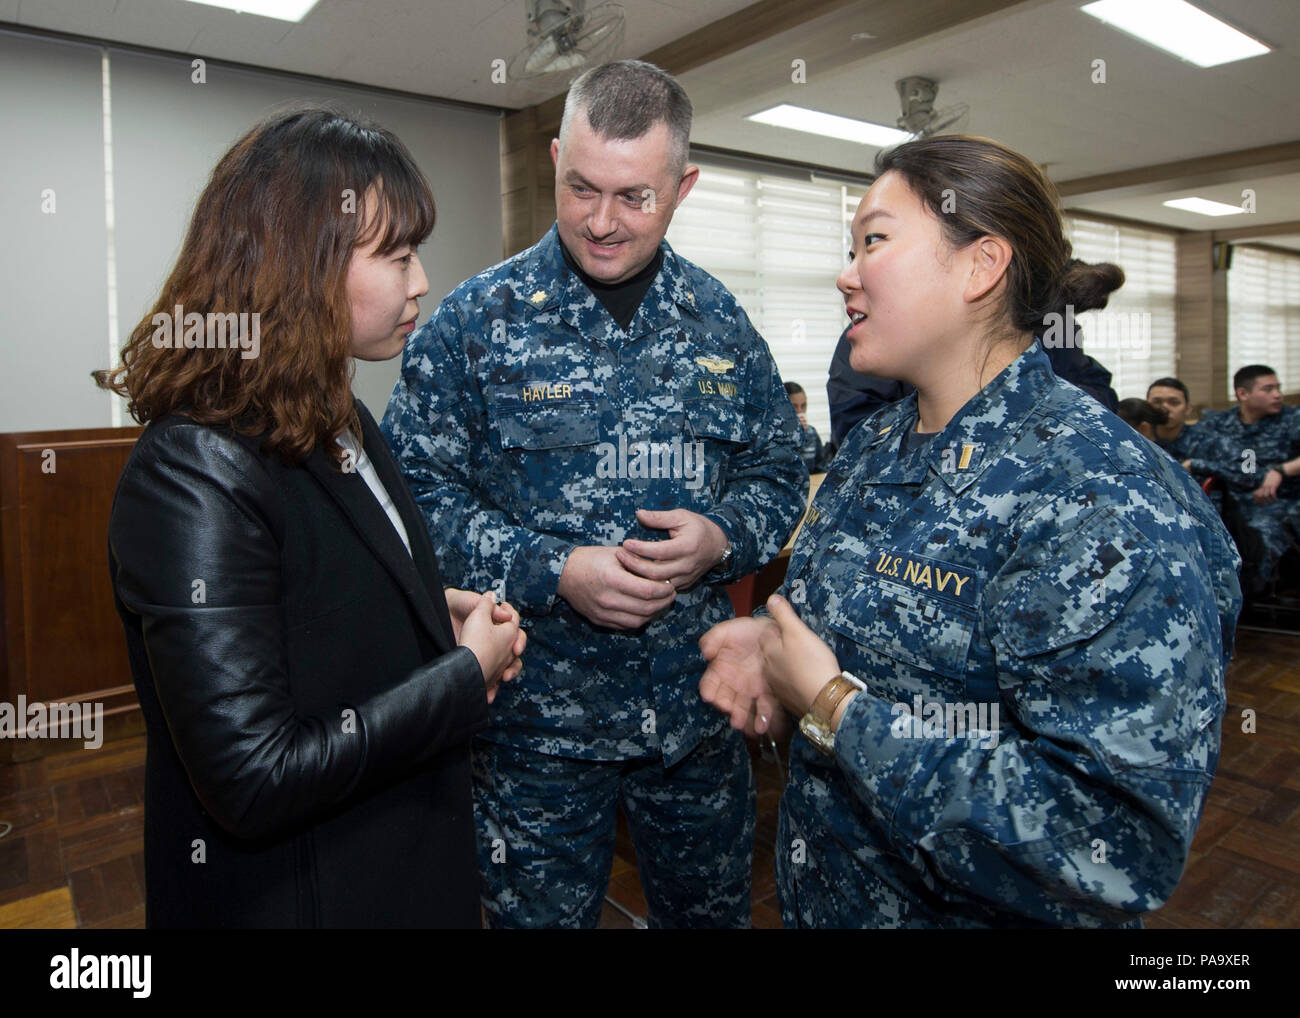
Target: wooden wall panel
{"x":1201,"y":315}
{"x":515,"y":171}
{"x":61,"y":638}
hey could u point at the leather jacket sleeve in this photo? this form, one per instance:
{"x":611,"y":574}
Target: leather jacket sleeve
{"x":195,"y":533}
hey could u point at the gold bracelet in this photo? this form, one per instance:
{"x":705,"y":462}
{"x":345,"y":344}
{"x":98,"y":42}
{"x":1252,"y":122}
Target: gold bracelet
{"x":823,"y":707}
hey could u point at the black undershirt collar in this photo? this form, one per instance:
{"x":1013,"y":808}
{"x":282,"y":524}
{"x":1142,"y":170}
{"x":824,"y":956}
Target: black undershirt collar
{"x":621,"y":300}
{"x":914,"y":440}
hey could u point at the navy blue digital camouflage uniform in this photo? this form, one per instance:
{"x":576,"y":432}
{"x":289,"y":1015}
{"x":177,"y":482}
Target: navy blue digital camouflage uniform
{"x":527,"y":424}
{"x":1039,"y":556}
{"x":854,"y":396}
{"x":1240,"y":455}
{"x":1186,"y":445}
{"x":815,"y":455}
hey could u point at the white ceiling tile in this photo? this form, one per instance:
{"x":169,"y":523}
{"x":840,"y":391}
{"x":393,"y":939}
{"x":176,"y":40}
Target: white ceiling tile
{"x":1025,"y":73}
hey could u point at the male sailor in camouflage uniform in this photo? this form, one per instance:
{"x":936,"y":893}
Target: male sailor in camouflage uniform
{"x":1176,"y":437}
{"x":595,"y":426}
{"x":1248,"y":448}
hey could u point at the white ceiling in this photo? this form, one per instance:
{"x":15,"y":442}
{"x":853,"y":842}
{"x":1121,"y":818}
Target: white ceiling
{"x":435,"y":47}
{"x":1277,"y":200}
{"x":1026,"y":74}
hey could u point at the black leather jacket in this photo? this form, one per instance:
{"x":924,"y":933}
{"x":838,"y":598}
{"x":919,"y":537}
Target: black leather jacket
{"x":308,"y":712}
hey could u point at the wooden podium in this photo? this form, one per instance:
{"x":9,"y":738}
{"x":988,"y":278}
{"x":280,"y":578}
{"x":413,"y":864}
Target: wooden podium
{"x":61,"y":639}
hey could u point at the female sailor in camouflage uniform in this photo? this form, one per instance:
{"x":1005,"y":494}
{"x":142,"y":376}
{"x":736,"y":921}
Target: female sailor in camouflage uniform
{"x":1007,"y":617}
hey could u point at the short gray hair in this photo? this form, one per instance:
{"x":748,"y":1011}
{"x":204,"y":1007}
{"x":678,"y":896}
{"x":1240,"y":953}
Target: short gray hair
{"x":624,"y":99}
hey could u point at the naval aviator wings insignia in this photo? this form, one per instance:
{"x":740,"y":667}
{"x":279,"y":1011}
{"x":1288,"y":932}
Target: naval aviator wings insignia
{"x":715,"y":364}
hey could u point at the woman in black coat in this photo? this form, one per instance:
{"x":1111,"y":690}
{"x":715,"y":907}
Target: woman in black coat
{"x":308,"y":689}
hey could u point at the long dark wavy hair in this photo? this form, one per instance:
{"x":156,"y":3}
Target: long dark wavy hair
{"x":272,"y":234}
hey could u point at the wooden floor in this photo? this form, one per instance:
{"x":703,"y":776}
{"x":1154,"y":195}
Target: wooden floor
{"x":73,"y":856}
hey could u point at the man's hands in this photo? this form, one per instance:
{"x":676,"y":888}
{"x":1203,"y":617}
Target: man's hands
{"x":491,"y":631}
{"x":758,"y":664}
{"x":695,"y":545}
{"x":595,"y":583}
{"x":1267,"y":491}
{"x":627,"y":586}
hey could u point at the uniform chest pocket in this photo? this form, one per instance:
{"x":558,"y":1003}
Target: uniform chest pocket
{"x":548,"y":425}
{"x":917,"y":627}
{"x":1080,"y":587}
{"x":718,"y":420}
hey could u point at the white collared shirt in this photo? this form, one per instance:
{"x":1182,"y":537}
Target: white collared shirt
{"x":366,"y":469}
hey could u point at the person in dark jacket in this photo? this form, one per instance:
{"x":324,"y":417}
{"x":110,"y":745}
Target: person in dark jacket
{"x":1083,"y":372}
{"x":854,"y":396}
{"x":309,"y":690}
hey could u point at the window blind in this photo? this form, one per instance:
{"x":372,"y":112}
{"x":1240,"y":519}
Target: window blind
{"x":777,"y":243}
{"x":1134,"y":335}
{"x":1264,"y":314}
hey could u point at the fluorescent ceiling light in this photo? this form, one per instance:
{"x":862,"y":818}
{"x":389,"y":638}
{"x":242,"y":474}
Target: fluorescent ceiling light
{"x":1178,"y":28}
{"x":281,"y":10}
{"x":796,"y":118}
{"x":1205,"y":207}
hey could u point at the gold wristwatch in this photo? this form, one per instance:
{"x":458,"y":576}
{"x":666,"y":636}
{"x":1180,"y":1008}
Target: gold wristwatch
{"x":816,"y":724}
